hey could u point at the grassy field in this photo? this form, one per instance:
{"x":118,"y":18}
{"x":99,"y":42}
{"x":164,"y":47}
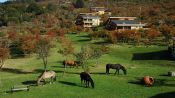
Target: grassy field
{"x":140,"y":61}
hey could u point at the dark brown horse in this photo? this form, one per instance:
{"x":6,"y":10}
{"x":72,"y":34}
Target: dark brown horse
{"x":70,"y":63}
{"x":117,"y":67}
{"x":86,"y":78}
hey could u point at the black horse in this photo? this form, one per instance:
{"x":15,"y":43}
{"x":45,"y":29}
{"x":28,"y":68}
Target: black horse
{"x":86,"y":78}
{"x":117,"y":67}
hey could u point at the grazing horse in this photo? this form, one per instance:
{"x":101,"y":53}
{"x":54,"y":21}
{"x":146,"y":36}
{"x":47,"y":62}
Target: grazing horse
{"x":86,"y":78}
{"x":46,"y":75}
{"x":148,"y":81}
{"x":70,"y":63}
{"x":117,"y":67}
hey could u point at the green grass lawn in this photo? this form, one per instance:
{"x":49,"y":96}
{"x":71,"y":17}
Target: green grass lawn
{"x":140,"y":61}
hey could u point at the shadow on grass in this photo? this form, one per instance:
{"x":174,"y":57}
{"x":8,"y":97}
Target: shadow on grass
{"x":157,"y":82}
{"x":58,"y":66}
{"x":77,"y":73}
{"x":84,"y":40}
{"x":137,"y":81}
{"x":159,"y":55}
{"x":165,"y":75}
{"x":98,"y":73}
{"x":13,"y":70}
{"x":68,"y":83}
{"x":101,"y":43}
{"x":41,"y":71}
{"x":86,"y":36}
{"x":30,"y":83}
{"x":165,"y":95}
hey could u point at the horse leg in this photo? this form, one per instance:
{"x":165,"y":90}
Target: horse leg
{"x":85,"y":83}
{"x":88,"y":83}
{"x":118,"y":72}
{"x":107,"y":71}
{"x":115,"y":72}
{"x":51,"y":80}
{"x":81,"y":81}
{"x":55,"y":78}
{"x":44,"y":81}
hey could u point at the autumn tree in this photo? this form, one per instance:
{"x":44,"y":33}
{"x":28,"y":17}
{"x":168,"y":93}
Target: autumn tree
{"x":4,"y":54}
{"x":89,"y":52}
{"x":66,"y":48}
{"x":152,"y":34}
{"x":29,"y":43}
{"x":97,"y":52}
{"x":112,"y":36}
{"x":167,"y":31}
{"x":83,"y":56}
{"x":43,"y":47}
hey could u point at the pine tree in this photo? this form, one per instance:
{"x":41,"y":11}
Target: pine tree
{"x":79,"y":4}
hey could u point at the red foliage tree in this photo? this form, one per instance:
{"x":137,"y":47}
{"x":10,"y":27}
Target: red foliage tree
{"x":152,"y":34}
{"x":4,"y":54}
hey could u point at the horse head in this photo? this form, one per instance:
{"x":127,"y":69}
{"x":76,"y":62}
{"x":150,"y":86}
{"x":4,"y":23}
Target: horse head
{"x":38,"y":81}
{"x":124,"y":70}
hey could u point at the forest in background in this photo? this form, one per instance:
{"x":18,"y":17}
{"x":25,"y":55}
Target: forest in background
{"x":24,"y":20}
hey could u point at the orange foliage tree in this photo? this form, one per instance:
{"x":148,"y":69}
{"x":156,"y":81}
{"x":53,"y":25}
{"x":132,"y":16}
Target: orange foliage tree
{"x":167,"y":31}
{"x":4,"y":54}
{"x":29,"y":43}
{"x":151,"y":34}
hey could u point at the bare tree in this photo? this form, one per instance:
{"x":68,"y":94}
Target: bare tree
{"x":43,"y":47}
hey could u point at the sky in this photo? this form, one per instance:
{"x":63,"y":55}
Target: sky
{"x":3,"y":0}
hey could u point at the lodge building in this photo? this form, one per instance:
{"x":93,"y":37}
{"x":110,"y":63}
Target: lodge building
{"x":123,"y":23}
{"x":88,"y":20}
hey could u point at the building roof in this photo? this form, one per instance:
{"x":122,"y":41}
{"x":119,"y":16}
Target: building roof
{"x":127,"y":23}
{"x":90,"y":17}
{"x":87,"y":14}
{"x":124,"y":17}
{"x":98,"y":8}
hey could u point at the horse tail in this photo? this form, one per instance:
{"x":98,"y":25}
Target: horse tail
{"x":92,"y":82}
{"x":107,"y":68}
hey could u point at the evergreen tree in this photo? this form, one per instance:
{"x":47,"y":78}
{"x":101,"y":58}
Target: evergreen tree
{"x":79,"y":4}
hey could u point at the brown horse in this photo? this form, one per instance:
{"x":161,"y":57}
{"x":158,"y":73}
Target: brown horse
{"x":70,"y":63}
{"x":46,"y":75}
{"x":149,"y":81}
